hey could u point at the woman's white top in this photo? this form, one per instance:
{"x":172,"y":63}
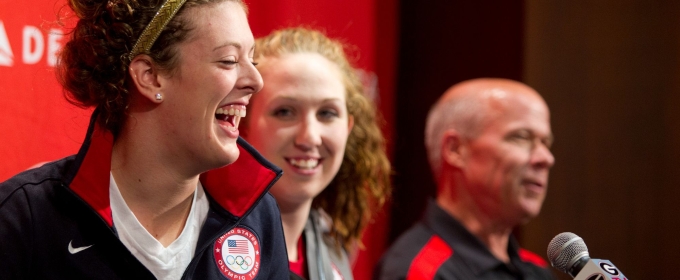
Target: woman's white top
{"x":164,"y":262}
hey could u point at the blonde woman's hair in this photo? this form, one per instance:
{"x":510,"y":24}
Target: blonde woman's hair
{"x":362,"y":184}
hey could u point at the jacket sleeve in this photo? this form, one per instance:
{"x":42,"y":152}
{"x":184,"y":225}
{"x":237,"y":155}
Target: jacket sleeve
{"x":15,"y":233}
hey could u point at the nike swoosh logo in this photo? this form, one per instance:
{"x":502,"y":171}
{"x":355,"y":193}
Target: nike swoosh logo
{"x":76,"y":250}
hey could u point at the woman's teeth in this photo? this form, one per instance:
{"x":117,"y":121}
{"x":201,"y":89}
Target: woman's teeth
{"x":231,"y":114}
{"x":231,"y":111}
{"x":304,"y":164}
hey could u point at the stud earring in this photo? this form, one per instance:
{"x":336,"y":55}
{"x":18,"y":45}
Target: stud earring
{"x":159,"y":96}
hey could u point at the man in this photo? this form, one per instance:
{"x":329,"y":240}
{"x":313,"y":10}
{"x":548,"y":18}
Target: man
{"x":488,"y":143}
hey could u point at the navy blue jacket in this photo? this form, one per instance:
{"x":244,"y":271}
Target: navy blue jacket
{"x":49,"y":214}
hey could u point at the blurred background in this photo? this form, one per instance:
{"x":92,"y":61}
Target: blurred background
{"x":609,"y":70}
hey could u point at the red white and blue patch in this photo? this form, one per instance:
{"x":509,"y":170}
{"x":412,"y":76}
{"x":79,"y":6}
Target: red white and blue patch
{"x":237,"y":254}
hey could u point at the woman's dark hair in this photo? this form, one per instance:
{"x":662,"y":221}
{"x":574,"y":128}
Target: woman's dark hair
{"x":93,"y":65}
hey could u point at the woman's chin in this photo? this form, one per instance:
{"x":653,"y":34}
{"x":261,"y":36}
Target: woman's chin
{"x":225,"y":154}
{"x":230,"y":154}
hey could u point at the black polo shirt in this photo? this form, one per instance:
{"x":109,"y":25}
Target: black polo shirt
{"x":439,"y":247}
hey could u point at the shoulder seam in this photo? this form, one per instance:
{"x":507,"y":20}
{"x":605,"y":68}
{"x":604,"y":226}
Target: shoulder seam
{"x":22,"y":187}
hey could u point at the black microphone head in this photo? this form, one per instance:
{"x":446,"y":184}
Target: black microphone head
{"x":565,"y":250}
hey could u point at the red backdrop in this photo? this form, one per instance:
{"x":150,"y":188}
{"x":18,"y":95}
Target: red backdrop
{"x":38,"y":125}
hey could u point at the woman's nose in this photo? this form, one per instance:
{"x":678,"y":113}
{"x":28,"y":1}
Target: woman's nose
{"x":308,"y":136}
{"x":250,"y":78}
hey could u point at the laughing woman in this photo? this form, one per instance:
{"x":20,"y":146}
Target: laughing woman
{"x":156,"y":190}
{"x":313,"y":120}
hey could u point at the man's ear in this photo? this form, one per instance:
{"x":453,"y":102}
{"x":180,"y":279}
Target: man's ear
{"x":453,"y":148}
{"x":144,"y":75}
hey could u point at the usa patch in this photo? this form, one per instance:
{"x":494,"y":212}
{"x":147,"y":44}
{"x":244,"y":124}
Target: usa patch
{"x":237,"y":254}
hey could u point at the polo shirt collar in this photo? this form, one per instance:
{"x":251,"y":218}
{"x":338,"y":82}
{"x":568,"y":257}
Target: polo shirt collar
{"x":469,"y":248}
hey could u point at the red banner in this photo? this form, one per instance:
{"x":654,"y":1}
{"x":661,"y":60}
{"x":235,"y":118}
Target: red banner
{"x":38,"y":124}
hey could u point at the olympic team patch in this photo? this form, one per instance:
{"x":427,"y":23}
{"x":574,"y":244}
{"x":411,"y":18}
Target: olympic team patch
{"x":237,"y":254}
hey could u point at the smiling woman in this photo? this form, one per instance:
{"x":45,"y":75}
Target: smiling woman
{"x":156,"y":190}
{"x":313,"y":120}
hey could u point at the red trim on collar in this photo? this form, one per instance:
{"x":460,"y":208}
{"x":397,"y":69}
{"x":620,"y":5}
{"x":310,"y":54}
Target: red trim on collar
{"x":429,"y":259}
{"x":236,"y":187}
{"x":533,"y":258}
{"x":299,"y":266}
{"x":91,"y":182}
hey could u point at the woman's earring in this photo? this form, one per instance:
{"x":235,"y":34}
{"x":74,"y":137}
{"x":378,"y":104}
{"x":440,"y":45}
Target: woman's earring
{"x":159,"y":97}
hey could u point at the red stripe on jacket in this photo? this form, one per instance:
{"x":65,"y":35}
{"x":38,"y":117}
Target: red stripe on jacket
{"x":429,"y":259}
{"x":531,"y":257}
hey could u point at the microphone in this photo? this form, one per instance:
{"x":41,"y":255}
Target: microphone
{"x":568,"y":253}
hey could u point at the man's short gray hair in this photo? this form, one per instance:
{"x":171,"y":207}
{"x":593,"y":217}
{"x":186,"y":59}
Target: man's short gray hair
{"x":464,"y":113}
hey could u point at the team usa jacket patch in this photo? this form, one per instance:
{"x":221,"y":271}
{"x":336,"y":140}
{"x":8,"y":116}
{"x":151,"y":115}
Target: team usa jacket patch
{"x":237,"y":254}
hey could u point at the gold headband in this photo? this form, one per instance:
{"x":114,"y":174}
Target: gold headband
{"x":155,"y":26}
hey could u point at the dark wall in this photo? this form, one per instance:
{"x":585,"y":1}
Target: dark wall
{"x":441,"y":43}
{"x":610,"y":72}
